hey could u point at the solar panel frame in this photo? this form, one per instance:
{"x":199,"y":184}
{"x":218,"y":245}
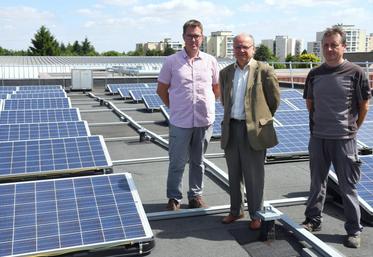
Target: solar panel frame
{"x":43,"y":94}
{"x":52,"y":157}
{"x":38,"y":116}
{"x":30,"y":131}
{"x":63,"y":216}
{"x":285,"y":106}
{"x":8,"y":88}
{"x":36,"y":87}
{"x":152,"y":102}
{"x":124,"y":92}
{"x":299,"y":103}
{"x":37,"y":103}
{"x":4,"y":96}
{"x":166,"y":112}
{"x":365,"y":185}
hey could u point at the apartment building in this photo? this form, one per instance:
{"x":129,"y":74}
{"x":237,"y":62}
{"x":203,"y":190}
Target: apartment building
{"x":282,"y":46}
{"x":161,"y":46}
{"x":219,"y":44}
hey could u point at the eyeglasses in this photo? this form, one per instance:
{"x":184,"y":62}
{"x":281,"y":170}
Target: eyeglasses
{"x":332,"y":46}
{"x":193,"y":36}
{"x":238,"y":48}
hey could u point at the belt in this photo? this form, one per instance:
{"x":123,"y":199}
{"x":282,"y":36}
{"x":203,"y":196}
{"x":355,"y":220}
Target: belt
{"x":236,"y":120}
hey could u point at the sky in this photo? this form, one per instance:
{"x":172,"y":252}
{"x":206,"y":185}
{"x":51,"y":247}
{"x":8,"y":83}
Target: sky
{"x":120,"y":24}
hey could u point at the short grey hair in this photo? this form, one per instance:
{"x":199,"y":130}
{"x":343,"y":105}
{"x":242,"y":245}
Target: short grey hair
{"x":245,"y":35}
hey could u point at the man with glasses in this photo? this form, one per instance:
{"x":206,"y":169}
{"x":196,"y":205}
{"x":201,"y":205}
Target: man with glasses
{"x":188,"y":85}
{"x":251,"y":96}
{"x":337,"y":95}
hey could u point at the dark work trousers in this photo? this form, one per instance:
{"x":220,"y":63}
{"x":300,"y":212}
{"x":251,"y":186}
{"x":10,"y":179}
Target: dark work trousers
{"x":244,"y":164}
{"x":342,"y":153}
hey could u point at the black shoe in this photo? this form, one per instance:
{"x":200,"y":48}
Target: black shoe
{"x":173,"y":205}
{"x":311,"y":226}
{"x":197,"y":202}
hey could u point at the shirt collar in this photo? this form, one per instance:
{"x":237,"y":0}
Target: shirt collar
{"x":245,"y":67}
{"x":185,"y":55}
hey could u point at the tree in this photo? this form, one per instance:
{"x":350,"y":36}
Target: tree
{"x":168,"y":50}
{"x":44,"y":43}
{"x":76,"y":48}
{"x":263,"y":53}
{"x":111,"y":53}
{"x":86,"y":48}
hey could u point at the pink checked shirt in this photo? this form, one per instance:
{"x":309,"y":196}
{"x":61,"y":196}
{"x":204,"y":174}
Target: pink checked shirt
{"x":192,"y":101}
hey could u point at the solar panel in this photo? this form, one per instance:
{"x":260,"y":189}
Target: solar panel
{"x":52,"y":156}
{"x":113,"y":88}
{"x":43,"y":94}
{"x":136,"y":94}
{"x":219,"y":108}
{"x":38,"y":87}
{"x":290,"y":93}
{"x":4,"y":95}
{"x":286,"y":118}
{"x":292,"y":140}
{"x":61,"y":216}
{"x":166,"y":112}
{"x":124,"y":92}
{"x":216,"y":126}
{"x":299,"y":103}
{"x":8,"y":88}
{"x":365,"y":134}
{"x":29,"y":131}
{"x":151,"y":85}
{"x":152,"y":102}
{"x":37,"y":103}
{"x":369,"y":117}
{"x":39,"y":91}
{"x":285,"y":106}
{"x":37,"y":116}
{"x":365,"y":185}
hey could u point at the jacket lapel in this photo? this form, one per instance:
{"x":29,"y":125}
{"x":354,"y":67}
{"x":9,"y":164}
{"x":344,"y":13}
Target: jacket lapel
{"x":252,"y":74}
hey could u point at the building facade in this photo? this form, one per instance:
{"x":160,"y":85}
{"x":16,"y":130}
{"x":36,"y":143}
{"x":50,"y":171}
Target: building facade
{"x":219,"y":44}
{"x":161,"y":46}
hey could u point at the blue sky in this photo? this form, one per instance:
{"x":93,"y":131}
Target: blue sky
{"x":120,"y":24}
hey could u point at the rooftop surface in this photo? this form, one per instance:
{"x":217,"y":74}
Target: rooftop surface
{"x":201,"y":234}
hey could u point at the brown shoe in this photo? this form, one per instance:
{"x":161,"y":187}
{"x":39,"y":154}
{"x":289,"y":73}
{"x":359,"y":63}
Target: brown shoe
{"x":173,"y":205}
{"x":255,"y":224}
{"x":197,"y":202}
{"x":231,"y":218}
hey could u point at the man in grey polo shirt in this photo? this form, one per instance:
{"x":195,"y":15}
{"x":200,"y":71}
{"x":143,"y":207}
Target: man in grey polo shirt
{"x":337,"y":95}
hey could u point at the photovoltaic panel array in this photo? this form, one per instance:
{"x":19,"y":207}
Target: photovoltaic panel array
{"x":113,"y":88}
{"x":37,"y":116}
{"x":29,"y":131}
{"x":29,"y":104}
{"x":39,"y":87}
{"x":290,"y":93}
{"x":285,"y":106}
{"x":216,"y":126}
{"x":297,"y":117}
{"x":38,"y":91}
{"x":136,"y":94}
{"x":365,"y":185}
{"x":8,"y":88}
{"x":152,"y":102}
{"x":293,"y":140}
{"x":3,"y":95}
{"x":60,"y":216}
{"x":298,"y":103}
{"x":151,"y":85}
{"x":52,"y":156}
{"x":43,"y":94}
{"x":124,"y":92}
{"x":365,"y":134}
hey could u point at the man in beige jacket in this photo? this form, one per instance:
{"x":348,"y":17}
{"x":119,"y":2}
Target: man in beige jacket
{"x":250,"y":95}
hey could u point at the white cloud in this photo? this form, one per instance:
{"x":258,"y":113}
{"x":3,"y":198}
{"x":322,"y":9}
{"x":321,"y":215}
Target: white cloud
{"x":119,"y":2}
{"x":305,"y":3}
{"x":20,"y":13}
{"x":177,"y":8}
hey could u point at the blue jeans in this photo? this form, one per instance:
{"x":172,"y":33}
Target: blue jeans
{"x":186,"y":144}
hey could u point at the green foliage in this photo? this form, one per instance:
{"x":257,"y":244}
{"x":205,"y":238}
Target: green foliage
{"x":44,"y":43}
{"x":111,"y":53}
{"x":263,"y":53}
{"x":303,"y":58}
{"x":168,"y":50}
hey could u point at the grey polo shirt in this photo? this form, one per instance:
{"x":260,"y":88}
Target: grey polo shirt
{"x":336,"y":93}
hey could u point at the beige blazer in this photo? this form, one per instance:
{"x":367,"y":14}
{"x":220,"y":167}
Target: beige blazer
{"x":262,"y":98}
